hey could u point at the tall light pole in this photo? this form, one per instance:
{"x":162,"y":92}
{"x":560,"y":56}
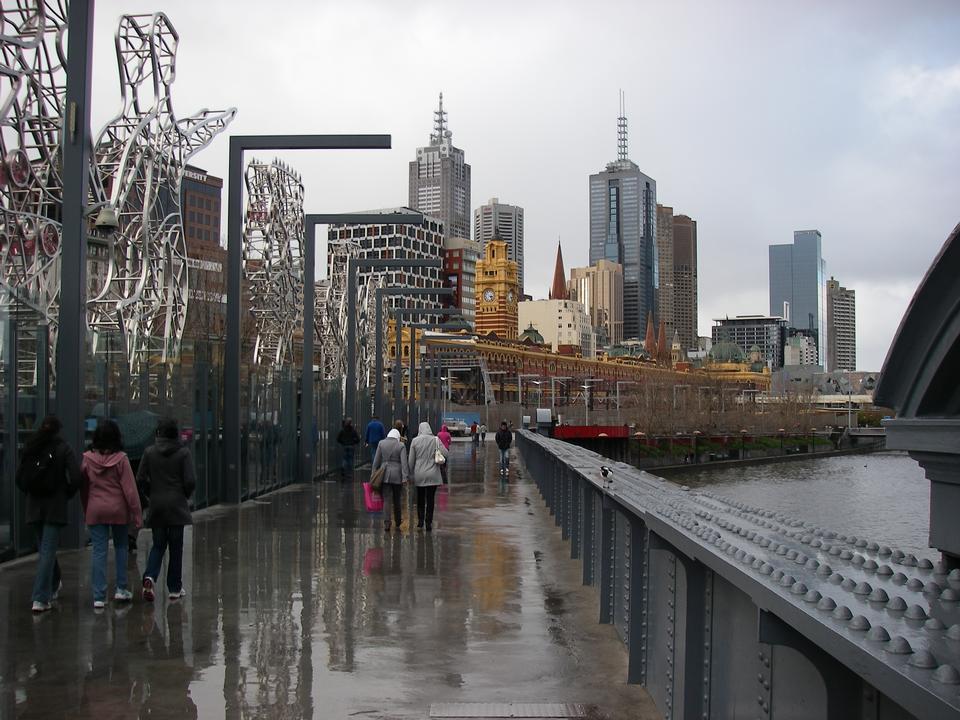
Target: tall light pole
{"x":553,"y":390}
{"x":586,"y":399}
{"x":619,"y":383}
{"x":520,"y":378}
{"x":489,"y":373}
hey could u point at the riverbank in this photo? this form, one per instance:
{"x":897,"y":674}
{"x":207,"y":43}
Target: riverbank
{"x":682,"y":469}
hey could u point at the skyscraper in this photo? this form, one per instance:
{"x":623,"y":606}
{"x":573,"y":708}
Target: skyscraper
{"x":440,"y":180}
{"x":599,"y":288}
{"x":623,"y":226}
{"x":798,"y":288}
{"x":685,"y":280}
{"x":842,"y":319}
{"x":460,"y":258}
{"x":496,"y":219}
{"x":666,"y":296}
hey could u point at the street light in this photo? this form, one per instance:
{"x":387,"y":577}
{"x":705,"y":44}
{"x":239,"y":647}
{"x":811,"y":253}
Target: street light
{"x":586,"y":399}
{"x":619,"y":383}
{"x":553,"y":390}
{"x":743,"y":444}
{"x":520,"y":392}
{"x":489,"y":373}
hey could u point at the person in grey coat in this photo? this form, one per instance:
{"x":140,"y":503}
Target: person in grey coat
{"x":166,"y":478}
{"x":391,"y":455}
{"x":426,"y":472}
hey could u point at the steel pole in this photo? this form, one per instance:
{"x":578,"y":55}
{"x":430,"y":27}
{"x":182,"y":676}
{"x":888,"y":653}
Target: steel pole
{"x":350,"y":392}
{"x":307,"y":433}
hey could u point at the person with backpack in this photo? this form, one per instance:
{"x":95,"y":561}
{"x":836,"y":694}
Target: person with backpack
{"x":426,"y":456}
{"x":49,"y":475}
{"x":110,"y":502}
{"x":166,"y":479}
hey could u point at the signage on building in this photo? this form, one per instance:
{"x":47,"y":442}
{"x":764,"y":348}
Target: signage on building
{"x":194,"y":175}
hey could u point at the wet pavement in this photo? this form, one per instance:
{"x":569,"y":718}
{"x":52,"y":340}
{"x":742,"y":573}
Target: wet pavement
{"x":300,"y":606}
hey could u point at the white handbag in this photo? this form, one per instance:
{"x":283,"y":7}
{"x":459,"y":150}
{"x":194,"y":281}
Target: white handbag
{"x":438,"y":456}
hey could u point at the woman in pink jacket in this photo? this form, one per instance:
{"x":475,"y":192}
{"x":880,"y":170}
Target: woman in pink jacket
{"x":110,"y":503}
{"x":445,"y":438}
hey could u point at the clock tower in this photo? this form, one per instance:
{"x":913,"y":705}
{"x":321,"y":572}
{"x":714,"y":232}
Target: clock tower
{"x":497,"y":291}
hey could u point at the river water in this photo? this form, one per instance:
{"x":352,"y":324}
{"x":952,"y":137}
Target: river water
{"x":883,"y":497}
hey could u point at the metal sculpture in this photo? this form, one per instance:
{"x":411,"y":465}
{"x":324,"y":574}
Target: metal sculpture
{"x":137,"y":263}
{"x":273,"y":257}
{"x":141,"y":156}
{"x":32,"y":92}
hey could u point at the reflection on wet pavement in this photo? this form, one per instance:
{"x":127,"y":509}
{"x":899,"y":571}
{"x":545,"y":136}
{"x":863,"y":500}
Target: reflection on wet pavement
{"x":301,"y":606}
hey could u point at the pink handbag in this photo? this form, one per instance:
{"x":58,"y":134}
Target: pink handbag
{"x":372,"y":499}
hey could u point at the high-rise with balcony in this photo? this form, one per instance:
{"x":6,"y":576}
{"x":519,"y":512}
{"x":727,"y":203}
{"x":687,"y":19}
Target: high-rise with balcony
{"x":685,"y":280}
{"x":623,"y":229}
{"x":842,"y":338}
{"x":798,"y":287}
{"x":497,"y":219}
{"x":440,"y":180}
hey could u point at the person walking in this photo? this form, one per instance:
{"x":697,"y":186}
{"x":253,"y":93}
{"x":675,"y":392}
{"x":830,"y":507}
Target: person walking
{"x":166,"y":479}
{"x":391,"y":455}
{"x":504,"y":439}
{"x":445,"y":438}
{"x":347,"y":439}
{"x":372,"y":436}
{"x":49,"y":474}
{"x":483,"y":432}
{"x":424,"y":450}
{"x":110,"y":502}
{"x":474,"y":433}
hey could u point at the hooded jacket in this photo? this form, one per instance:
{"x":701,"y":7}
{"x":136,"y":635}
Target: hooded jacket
{"x":52,"y":509}
{"x":108,"y":492}
{"x":421,"y":457}
{"x":392,"y":455}
{"x":445,"y":437}
{"x":504,"y":438}
{"x":166,"y":478}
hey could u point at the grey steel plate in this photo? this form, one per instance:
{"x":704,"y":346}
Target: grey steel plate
{"x":507,"y":710}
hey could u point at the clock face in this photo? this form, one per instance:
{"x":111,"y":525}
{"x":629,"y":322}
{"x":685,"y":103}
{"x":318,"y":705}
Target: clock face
{"x":488,"y":295}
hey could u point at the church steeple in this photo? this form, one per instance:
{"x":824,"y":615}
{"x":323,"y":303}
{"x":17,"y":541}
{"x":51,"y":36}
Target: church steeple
{"x":558,"y":291}
{"x":650,"y":342}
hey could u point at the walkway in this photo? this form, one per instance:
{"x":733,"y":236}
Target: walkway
{"x":300,"y":606}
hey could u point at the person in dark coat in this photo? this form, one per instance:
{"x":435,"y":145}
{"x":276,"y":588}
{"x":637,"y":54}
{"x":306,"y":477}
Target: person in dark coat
{"x":348,"y":438}
{"x":504,"y":439}
{"x":166,"y":478}
{"x":47,"y":513}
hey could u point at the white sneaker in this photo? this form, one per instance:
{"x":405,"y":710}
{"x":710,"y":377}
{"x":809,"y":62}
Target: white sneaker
{"x":99,"y":604}
{"x":123,"y":595}
{"x":181,"y":593}
{"x":39,"y":607}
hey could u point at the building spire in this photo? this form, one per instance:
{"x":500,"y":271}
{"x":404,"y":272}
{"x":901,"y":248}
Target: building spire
{"x":622,"y":129}
{"x":558,"y":291}
{"x":439,"y":124}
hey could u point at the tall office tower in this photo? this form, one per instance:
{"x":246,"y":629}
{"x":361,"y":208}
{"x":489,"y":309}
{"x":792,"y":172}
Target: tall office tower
{"x":440,"y":180}
{"x":685,"y":280}
{"x":623,"y":228}
{"x":460,"y":258}
{"x":496,"y":219}
{"x":206,"y":258}
{"x":666,"y":292}
{"x":842,"y":319}
{"x":767,"y":333}
{"x":599,"y":288}
{"x":378,"y":241}
{"x":798,"y":280}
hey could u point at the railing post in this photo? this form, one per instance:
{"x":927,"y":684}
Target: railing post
{"x":576,"y":515}
{"x":589,"y":532}
{"x":607,"y":560}
{"x":639,"y":577}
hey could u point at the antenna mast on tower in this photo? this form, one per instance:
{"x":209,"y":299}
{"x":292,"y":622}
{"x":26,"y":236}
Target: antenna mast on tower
{"x":622,"y":129}
{"x":439,"y":124}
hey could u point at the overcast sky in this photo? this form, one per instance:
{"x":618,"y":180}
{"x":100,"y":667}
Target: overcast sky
{"x":755,"y":118}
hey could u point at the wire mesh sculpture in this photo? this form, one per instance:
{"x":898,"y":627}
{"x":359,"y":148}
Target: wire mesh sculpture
{"x":138,"y":272}
{"x":32,"y":93}
{"x":273,"y":258}
{"x":140,"y":159}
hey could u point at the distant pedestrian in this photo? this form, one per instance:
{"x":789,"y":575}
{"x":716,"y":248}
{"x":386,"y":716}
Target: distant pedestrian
{"x":424,"y":449}
{"x":474,"y":433}
{"x":401,"y":427}
{"x":446,"y":438}
{"x":347,"y":439}
{"x":372,"y":436}
{"x":110,"y":502}
{"x":392,"y":455}
{"x":483,"y":432}
{"x":504,"y":439}
{"x":166,"y":479}
{"x":49,"y":474}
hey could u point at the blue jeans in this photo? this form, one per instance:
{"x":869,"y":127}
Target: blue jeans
{"x":164,"y":537}
{"x":504,"y":459}
{"x":346,"y":460}
{"x":48,"y":569}
{"x":100,"y":535}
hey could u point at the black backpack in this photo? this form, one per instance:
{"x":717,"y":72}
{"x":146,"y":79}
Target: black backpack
{"x":37,"y":474}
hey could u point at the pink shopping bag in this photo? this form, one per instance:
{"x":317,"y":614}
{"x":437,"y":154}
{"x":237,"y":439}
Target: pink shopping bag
{"x":372,"y":499}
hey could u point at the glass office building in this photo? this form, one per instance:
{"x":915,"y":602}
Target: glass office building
{"x":798,"y":287}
